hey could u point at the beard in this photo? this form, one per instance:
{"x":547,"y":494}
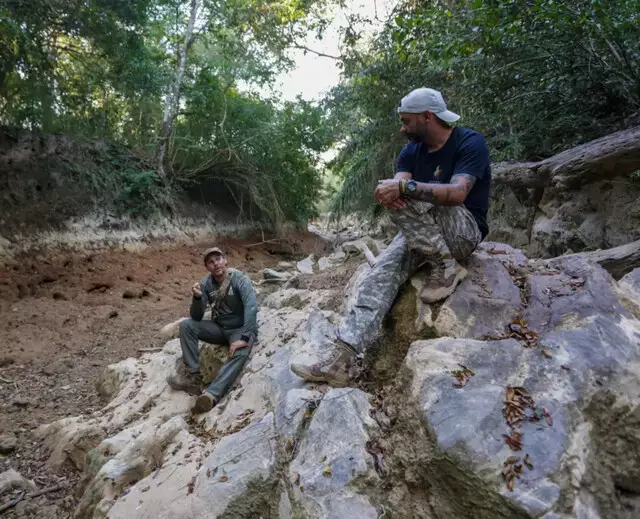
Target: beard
{"x":414,"y":137}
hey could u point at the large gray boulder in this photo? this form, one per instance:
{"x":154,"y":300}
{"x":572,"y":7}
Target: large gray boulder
{"x":332,"y":462}
{"x":584,"y":374}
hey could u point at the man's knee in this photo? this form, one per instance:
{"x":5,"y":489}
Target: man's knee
{"x":242,"y":352}
{"x":188,"y":327}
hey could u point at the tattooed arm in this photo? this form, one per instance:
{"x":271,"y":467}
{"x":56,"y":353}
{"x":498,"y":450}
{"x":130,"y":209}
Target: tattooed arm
{"x":453,"y":193}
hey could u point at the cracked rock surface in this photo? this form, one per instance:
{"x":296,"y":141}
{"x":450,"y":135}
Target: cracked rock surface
{"x":429,"y":442}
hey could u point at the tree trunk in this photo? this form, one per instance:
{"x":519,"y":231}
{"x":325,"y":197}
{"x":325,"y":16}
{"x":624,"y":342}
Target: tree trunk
{"x":605,"y":158}
{"x":617,"y":261}
{"x":173,"y":96}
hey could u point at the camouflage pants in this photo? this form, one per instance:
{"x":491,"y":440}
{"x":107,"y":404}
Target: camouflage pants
{"x":428,"y":234}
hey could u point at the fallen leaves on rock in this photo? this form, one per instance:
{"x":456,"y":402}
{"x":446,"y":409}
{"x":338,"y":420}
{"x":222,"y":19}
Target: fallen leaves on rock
{"x":514,"y":441}
{"x":373,"y":448}
{"x":192,"y":485}
{"x":462,"y":376}
{"x":518,"y":330}
{"x":516,"y":402}
{"x":511,"y":471}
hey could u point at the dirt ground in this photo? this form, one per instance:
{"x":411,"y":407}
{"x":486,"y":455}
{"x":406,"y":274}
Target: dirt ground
{"x":64,"y":318}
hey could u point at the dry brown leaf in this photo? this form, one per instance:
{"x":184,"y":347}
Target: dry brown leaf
{"x":511,"y":484}
{"x":223,"y":478}
{"x":564,"y":366}
{"x":297,"y":480}
{"x":547,"y":353}
{"x":512,"y":459}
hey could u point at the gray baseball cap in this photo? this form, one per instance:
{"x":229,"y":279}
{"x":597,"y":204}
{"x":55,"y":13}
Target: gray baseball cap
{"x":427,"y":99}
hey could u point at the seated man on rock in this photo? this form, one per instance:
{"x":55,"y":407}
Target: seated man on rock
{"x":439,"y":199}
{"x":233,"y":321}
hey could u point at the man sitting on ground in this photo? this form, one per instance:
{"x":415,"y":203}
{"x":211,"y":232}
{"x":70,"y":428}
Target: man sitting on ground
{"x":233,"y":321}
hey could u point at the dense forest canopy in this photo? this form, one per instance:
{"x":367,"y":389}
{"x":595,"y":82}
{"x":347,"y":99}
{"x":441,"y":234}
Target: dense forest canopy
{"x":172,"y":80}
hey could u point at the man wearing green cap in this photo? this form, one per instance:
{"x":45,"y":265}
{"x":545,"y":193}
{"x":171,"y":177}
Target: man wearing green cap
{"x":233,"y":321}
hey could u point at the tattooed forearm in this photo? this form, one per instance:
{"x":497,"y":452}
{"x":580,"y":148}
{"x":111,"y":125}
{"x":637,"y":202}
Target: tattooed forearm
{"x":453,"y":193}
{"x":424,"y":193}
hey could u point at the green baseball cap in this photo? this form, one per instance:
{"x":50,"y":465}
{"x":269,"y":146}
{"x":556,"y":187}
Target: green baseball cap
{"x":210,"y":251}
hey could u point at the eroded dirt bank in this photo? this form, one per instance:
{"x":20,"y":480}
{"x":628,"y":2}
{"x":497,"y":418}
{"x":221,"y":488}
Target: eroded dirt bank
{"x":64,"y":318}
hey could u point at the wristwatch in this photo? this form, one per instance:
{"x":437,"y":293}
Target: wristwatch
{"x":408,"y":186}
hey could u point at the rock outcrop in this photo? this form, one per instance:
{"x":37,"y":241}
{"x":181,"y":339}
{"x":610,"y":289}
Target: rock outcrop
{"x":526,"y":404}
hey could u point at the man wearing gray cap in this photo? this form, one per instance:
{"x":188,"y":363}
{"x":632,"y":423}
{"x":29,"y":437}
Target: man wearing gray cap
{"x":439,"y":199}
{"x":233,"y":321}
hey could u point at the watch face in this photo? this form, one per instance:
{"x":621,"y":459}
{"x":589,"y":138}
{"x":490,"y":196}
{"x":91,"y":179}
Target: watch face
{"x":411,"y":185}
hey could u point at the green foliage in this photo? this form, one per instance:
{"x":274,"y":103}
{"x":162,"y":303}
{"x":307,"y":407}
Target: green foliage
{"x":535,"y":76}
{"x":101,"y":69}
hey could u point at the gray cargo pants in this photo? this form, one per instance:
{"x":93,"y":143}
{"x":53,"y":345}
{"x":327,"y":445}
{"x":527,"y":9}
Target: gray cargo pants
{"x":209,"y":331}
{"x":428,"y":234}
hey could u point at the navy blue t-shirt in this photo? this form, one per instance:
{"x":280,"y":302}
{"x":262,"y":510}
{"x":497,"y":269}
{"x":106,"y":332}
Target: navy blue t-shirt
{"x":465,"y":152}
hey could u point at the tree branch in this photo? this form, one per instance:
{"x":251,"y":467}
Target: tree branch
{"x":321,"y":54}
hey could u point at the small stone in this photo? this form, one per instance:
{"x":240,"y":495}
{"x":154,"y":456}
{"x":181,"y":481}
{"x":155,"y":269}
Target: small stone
{"x":12,"y":480}
{"x":306,"y":265}
{"x":275,"y":275}
{"x":59,"y":296}
{"x":57,"y":367}
{"x":8,"y":443}
{"x":20,"y":401}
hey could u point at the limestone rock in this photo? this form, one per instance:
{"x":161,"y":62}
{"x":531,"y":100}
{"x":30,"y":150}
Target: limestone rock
{"x":305,"y":266}
{"x":588,"y":377}
{"x":8,"y":443}
{"x":289,"y":297}
{"x":487,"y":300}
{"x":274,"y":275}
{"x":239,"y":465}
{"x":12,"y":480}
{"x":334,"y":259}
{"x":124,"y":460}
{"x":629,"y":292}
{"x":333,"y":456}
{"x":276,"y":446}
{"x":358,"y":246}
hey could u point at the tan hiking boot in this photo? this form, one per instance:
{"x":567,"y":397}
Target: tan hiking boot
{"x":333,"y":371}
{"x":182,"y":380}
{"x":442,"y":282}
{"x":204,"y":402}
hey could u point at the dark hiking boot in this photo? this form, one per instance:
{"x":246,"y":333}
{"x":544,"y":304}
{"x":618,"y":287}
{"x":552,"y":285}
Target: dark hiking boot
{"x":333,"y":371}
{"x":442,"y":283}
{"x":204,"y":402}
{"x":182,"y":380}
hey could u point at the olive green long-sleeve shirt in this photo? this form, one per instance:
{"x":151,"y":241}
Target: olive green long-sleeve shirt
{"x":239,"y":309}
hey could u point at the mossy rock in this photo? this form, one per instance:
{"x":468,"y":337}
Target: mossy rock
{"x":212,"y":357}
